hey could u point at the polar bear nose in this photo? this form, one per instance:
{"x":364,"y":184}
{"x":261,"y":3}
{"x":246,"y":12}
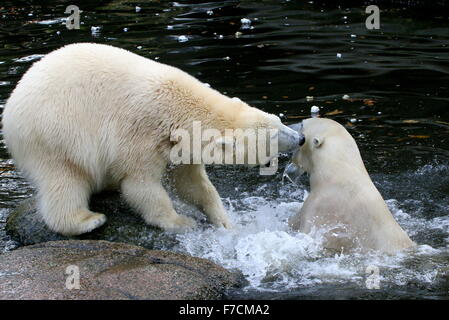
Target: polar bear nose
{"x":288,"y":139}
{"x":302,"y":140}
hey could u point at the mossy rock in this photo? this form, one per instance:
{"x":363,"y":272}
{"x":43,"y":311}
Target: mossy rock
{"x":25,"y":225}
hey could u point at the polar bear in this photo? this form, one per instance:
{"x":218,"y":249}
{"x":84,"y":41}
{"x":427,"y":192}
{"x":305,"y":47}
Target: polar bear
{"x":88,"y":117}
{"x":343,"y":200}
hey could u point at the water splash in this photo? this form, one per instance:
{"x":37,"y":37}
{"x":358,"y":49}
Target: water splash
{"x":273,"y":257}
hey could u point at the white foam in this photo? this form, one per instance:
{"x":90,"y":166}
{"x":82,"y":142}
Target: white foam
{"x":183,"y":38}
{"x":52,"y":21}
{"x":32,"y":57}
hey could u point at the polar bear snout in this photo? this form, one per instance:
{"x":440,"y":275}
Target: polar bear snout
{"x":289,"y":139}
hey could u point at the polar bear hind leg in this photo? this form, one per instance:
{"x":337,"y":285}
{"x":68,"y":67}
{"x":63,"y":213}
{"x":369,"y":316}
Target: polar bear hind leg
{"x":63,"y":200}
{"x":193,"y":186}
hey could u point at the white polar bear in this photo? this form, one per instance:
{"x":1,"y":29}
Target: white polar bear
{"x":88,"y":117}
{"x":343,"y":200}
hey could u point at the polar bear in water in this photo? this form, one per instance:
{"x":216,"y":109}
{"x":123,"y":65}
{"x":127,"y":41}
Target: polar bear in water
{"x":88,"y":117}
{"x":343,"y":200}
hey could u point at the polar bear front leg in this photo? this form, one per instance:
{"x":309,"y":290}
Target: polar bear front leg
{"x":147,"y":195}
{"x":193,"y":186}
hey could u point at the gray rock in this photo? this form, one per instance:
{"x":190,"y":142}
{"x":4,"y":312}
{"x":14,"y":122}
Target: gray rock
{"x":25,"y":225}
{"x":109,"y":271}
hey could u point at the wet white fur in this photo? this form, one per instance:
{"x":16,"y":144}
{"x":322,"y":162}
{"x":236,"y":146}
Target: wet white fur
{"x":343,"y":199}
{"x":89,"y":117}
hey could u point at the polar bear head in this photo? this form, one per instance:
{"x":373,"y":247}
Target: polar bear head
{"x":233,"y":132}
{"x":247,"y":117}
{"x":328,"y":145}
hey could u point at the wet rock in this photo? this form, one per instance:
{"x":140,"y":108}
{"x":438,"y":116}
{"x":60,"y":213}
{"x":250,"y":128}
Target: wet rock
{"x":26,"y":226}
{"x":109,"y":271}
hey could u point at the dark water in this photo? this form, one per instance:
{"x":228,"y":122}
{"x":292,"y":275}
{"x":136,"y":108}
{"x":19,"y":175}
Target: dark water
{"x":397,"y":80}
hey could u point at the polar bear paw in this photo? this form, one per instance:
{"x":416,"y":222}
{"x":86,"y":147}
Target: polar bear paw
{"x":92,"y":221}
{"x":82,"y":222}
{"x":221,"y":222}
{"x":179,"y":224}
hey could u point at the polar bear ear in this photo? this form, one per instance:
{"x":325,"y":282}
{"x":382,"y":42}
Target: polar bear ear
{"x":317,"y":142}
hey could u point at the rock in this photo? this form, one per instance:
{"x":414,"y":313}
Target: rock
{"x":25,"y":225}
{"x":109,"y":270}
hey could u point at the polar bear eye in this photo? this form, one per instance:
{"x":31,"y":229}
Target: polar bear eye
{"x":317,"y":142}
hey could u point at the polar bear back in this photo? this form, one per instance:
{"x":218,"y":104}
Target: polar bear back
{"x":86,"y":102}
